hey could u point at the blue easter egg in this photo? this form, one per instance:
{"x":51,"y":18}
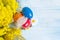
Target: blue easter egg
{"x":27,"y":12}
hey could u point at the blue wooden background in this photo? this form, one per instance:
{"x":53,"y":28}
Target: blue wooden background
{"x":47,"y":16}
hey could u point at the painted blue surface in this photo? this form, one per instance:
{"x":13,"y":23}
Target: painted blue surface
{"x":27,"y":12}
{"x":47,"y":12}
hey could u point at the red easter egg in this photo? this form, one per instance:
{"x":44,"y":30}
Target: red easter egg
{"x":26,"y":24}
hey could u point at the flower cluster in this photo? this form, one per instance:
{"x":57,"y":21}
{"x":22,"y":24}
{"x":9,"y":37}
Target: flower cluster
{"x":7,"y":10}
